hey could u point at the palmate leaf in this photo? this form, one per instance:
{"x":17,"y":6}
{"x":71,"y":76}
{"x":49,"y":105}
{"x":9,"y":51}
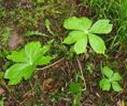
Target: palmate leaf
{"x":102,"y":26}
{"x":82,"y":29}
{"x":97,"y":44}
{"x":27,"y":59}
{"x":74,"y":23}
{"x":111,"y":78}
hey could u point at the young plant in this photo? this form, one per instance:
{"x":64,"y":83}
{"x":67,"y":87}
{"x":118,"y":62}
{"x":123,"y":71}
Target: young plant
{"x":110,"y":79}
{"x":82,"y":32}
{"x":26,"y":61}
{"x":76,"y":89}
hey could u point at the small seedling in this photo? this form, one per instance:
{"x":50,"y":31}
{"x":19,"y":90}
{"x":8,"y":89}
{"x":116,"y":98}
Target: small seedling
{"x":82,"y":32}
{"x":110,"y":79}
{"x":26,"y":61}
{"x":76,"y":89}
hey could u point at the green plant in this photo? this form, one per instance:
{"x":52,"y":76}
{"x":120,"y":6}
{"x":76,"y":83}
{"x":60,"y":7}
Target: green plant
{"x":26,"y":61}
{"x":82,"y":32}
{"x":110,"y":79}
{"x":76,"y":89}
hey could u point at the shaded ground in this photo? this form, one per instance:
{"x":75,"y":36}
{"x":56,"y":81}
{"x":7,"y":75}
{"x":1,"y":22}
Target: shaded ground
{"x":49,"y":86}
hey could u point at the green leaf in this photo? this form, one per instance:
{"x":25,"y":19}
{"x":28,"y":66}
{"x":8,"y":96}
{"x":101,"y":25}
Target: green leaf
{"x":74,"y":23}
{"x":81,"y":27}
{"x":45,"y":49}
{"x":75,"y":88}
{"x":80,"y":46}
{"x":33,"y":52}
{"x":105,"y":84}
{"x":17,"y":56}
{"x":107,"y":72}
{"x":80,"y":40}
{"x":73,"y":37}
{"x":43,"y":60}
{"x":97,"y":44}
{"x":116,"y":77}
{"x":102,"y":26}
{"x":17,"y":72}
{"x":26,"y":62}
{"x":116,"y":86}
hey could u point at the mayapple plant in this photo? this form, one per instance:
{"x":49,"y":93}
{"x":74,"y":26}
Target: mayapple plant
{"x":25,"y":62}
{"x":83,"y":31}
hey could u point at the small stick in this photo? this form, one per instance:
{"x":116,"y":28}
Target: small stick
{"x":81,"y":71}
{"x":51,"y":65}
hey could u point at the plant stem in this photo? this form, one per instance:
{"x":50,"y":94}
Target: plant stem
{"x":81,"y":71}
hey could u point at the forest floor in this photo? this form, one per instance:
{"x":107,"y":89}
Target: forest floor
{"x":49,"y":85}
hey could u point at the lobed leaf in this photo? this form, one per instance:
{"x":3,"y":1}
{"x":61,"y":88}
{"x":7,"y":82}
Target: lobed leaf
{"x":74,"y":23}
{"x":107,"y":72}
{"x":97,"y":44}
{"x":73,"y":37}
{"x":17,"y":72}
{"x":17,"y":56}
{"x":80,"y":46}
{"x":116,"y":86}
{"x":102,"y":26}
{"x":43,"y":60}
{"x":105,"y":84}
{"x":116,"y":77}
{"x":26,"y":61}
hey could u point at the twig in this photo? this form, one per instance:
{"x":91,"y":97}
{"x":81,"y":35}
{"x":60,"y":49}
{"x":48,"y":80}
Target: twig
{"x":81,"y":71}
{"x":51,"y":65}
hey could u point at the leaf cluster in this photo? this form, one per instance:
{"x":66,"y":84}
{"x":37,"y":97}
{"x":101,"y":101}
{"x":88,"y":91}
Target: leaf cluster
{"x":82,"y":32}
{"x":110,"y":79}
{"x":26,"y":61}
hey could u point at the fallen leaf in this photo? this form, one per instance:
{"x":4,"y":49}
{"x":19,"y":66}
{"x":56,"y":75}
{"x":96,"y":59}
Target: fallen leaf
{"x":49,"y":85}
